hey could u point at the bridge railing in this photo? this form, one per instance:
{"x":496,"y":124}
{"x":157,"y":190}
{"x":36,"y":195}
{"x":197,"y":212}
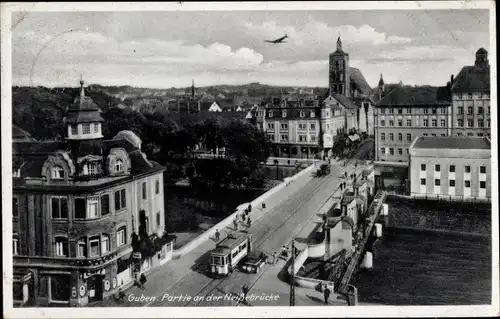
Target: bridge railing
{"x":373,"y":212}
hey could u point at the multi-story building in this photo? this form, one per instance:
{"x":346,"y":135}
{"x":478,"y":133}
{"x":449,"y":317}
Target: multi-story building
{"x":88,"y":213}
{"x":471,"y":98}
{"x":454,"y":167}
{"x":293,"y":126}
{"x":306,"y":126}
{"x":406,"y":113}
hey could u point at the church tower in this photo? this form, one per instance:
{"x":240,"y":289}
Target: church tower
{"x":381,"y":87}
{"x":482,"y":58}
{"x":339,"y":77}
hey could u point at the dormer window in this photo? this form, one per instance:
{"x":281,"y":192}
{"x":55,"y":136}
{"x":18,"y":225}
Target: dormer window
{"x":74,"y":130}
{"x":118,"y":166}
{"x":313,"y":114}
{"x":92,"y":168}
{"x":86,"y":128}
{"x":96,"y":127}
{"x":57,"y":172}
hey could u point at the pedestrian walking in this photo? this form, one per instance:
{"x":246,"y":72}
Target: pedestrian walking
{"x":121,"y":296}
{"x":245,"y":290}
{"x":249,"y":223}
{"x":326,"y":294}
{"x":249,"y":208}
{"x":284,"y":251}
{"x":217,"y":235}
{"x":235,"y":223}
{"x":275,"y":260}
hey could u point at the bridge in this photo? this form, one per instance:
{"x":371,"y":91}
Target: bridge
{"x":365,"y":234}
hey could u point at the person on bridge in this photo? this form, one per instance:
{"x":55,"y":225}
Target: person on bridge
{"x":217,"y":235}
{"x":249,"y":223}
{"x":275,"y":260}
{"x":284,"y":251}
{"x":326,"y":294}
{"x":245,"y":290}
{"x":235,"y":223}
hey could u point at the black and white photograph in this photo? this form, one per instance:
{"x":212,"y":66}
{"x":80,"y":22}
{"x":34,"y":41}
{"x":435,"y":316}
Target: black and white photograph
{"x":249,"y":159}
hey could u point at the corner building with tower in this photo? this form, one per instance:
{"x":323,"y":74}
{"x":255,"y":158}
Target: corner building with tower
{"x":88,"y":213}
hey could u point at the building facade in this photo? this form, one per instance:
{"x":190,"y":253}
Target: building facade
{"x":451,"y":167}
{"x":310,"y":126}
{"x":88,"y":213}
{"x":406,"y":113}
{"x":471,"y":99}
{"x":293,"y":126}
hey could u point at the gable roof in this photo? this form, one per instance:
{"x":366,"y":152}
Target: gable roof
{"x":360,"y":81}
{"x":346,"y":102}
{"x":412,"y":96}
{"x":454,"y":142}
{"x":472,"y":78}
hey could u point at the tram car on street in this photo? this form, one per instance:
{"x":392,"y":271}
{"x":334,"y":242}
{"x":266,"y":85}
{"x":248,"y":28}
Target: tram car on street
{"x":228,"y":253}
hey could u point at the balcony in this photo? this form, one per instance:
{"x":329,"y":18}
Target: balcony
{"x":77,"y":263}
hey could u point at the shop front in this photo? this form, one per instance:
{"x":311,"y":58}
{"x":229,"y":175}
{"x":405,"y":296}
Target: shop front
{"x":24,"y":289}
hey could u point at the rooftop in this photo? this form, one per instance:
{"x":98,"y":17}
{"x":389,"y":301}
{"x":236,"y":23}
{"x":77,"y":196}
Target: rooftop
{"x":455,"y":142}
{"x":360,"y":81}
{"x":472,"y":78}
{"x":413,"y":96}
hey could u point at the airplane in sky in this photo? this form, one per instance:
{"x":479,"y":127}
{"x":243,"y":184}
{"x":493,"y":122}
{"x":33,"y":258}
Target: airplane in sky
{"x":277,"y":41}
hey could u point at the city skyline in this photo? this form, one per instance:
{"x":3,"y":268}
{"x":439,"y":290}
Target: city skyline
{"x":161,"y":50}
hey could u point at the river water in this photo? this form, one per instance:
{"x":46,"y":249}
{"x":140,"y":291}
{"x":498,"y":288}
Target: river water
{"x":427,"y":268}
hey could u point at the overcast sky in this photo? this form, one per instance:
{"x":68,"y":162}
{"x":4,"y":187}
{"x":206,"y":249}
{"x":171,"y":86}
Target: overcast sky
{"x":165,"y":49}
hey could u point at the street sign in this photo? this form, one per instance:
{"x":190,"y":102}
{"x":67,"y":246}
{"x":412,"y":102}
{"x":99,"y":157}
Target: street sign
{"x":137,"y":255}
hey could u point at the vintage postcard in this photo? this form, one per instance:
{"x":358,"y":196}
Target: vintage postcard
{"x":249,"y":159}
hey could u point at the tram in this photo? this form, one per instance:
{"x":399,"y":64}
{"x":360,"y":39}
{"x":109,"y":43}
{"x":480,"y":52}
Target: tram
{"x":229,"y":252}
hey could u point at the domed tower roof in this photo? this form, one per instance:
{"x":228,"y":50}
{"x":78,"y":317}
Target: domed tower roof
{"x":131,"y":137}
{"x":482,"y":58}
{"x":83,"y":109}
{"x":339,"y":47}
{"x":482,"y":51}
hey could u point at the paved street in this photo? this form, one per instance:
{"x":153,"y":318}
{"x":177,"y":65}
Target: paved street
{"x":287,"y":214}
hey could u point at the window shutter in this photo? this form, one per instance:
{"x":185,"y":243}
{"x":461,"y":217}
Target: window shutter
{"x":104,"y":204}
{"x":55,"y":207}
{"x":123,"y":198}
{"x":80,"y":208}
{"x":64,"y":207}
{"x":117,"y":200}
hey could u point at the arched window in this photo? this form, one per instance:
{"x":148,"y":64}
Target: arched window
{"x":118,"y":166}
{"x":57,"y":172}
